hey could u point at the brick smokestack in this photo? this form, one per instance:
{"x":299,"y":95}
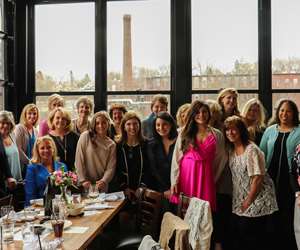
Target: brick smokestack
{"x":127,"y":54}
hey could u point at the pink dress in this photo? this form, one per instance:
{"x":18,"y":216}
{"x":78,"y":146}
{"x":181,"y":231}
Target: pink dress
{"x":196,"y":177}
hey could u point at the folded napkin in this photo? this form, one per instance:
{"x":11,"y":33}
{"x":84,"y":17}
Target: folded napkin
{"x":115,"y":196}
{"x":76,"y":230}
{"x":97,"y":206}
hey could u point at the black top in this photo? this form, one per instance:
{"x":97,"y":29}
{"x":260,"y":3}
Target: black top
{"x":279,"y":172}
{"x":160,"y":165}
{"x":66,"y":149}
{"x":132,"y":163}
{"x":4,"y":169}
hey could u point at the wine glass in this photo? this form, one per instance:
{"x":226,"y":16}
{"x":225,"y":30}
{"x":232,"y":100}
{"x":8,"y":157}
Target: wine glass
{"x":93,"y":191}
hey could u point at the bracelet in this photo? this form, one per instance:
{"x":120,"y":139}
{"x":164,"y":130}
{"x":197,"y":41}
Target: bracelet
{"x":297,"y":194}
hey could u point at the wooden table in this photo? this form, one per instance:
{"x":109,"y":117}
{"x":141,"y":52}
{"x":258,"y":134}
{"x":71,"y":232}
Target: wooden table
{"x":95,"y":223}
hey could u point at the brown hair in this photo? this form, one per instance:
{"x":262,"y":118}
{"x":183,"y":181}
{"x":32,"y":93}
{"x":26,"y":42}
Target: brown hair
{"x":86,"y":101}
{"x":92,"y":130}
{"x":7,"y":117}
{"x":118,"y":106}
{"x":128,"y":116}
{"x":225,"y":92}
{"x":159,"y":98}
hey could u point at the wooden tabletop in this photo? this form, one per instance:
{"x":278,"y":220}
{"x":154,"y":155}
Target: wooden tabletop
{"x":78,"y":241}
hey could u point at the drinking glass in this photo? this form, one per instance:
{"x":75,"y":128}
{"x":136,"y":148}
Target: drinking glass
{"x":7,"y":211}
{"x":58,"y":208}
{"x":27,"y":233}
{"x":76,"y":198}
{"x":93,"y":191}
{"x":8,"y":231}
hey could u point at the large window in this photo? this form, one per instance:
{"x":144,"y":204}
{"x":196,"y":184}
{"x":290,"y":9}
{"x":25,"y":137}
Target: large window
{"x":65,"y":47}
{"x":2,"y":56}
{"x":224,"y":45}
{"x":138,"y":45}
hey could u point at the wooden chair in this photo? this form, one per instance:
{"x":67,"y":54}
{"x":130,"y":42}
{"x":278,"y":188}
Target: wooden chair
{"x":183,"y":205}
{"x":147,"y":219}
{"x":7,"y":200}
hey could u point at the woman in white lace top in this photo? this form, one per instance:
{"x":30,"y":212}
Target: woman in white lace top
{"x":254,"y":199}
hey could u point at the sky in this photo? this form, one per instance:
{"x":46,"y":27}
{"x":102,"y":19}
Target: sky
{"x":222,"y":31}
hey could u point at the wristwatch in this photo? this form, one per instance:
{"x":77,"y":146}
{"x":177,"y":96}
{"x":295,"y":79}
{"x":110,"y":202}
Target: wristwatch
{"x":297,"y":194}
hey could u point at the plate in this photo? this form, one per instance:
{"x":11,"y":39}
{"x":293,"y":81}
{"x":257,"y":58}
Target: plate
{"x":112,"y":197}
{"x":48,"y":224}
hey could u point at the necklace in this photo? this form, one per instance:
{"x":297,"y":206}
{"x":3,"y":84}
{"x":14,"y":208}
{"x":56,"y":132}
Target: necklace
{"x":62,"y":144}
{"x":126,"y":163}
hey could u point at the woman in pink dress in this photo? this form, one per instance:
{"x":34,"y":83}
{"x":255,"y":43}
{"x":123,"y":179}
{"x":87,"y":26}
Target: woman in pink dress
{"x":198,"y":156}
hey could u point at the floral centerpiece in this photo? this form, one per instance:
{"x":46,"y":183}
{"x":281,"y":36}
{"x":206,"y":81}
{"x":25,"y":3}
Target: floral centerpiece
{"x":63,"y":180}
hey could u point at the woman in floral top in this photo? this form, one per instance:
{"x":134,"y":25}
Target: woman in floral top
{"x":254,"y":199}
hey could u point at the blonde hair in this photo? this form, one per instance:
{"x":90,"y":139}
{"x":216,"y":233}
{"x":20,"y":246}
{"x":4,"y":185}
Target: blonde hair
{"x":225,"y":92}
{"x":261,"y":118}
{"x":36,"y":158}
{"x":92,"y":130}
{"x":53,"y":99}
{"x":216,"y":113}
{"x":65,"y":114}
{"x":29,"y":107}
{"x":7,"y":117}
{"x":182,"y":109}
{"x":85,"y":100}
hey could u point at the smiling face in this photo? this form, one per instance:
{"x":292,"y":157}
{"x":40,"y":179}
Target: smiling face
{"x":162,"y":127}
{"x":84,"y":110}
{"x":59,"y":121}
{"x":202,"y":117}
{"x":253,"y":113}
{"x":45,"y":151}
{"x":4,"y":128}
{"x":229,"y":102}
{"x":233,"y":134}
{"x":132,"y":127}
{"x":31,"y":116}
{"x":117,"y":116}
{"x":101,"y":126}
{"x":285,"y":114}
{"x":56,"y":104}
{"x":158,"y":107}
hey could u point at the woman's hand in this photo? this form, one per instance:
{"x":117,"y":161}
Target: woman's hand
{"x":101,"y":185}
{"x":174,"y":189}
{"x":167,"y":194}
{"x":130,"y":194}
{"x":86,"y":184}
{"x":246,"y":203}
{"x":11,"y":183}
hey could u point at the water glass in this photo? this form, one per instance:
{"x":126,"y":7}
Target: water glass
{"x":76,"y":198}
{"x":93,"y":191}
{"x":59,"y":209}
{"x":6,"y":210}
{"x":27,"y":233}
{"x":8,"y":231}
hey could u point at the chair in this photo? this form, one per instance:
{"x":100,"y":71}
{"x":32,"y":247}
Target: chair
{"x":7,"y":200}
{"x":183,"y":205}
{"x":147,"y":218}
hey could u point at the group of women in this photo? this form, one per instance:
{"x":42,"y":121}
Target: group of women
{"x":248,"y":172}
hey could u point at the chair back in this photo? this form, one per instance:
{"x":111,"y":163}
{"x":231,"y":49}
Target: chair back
{"x":7,"y":200}
{"x":183,"y":205}
{"x":149,"y":211}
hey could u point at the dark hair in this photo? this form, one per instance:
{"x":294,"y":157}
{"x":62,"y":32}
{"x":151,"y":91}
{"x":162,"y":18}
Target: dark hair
{"x":190,"y":129}
{"x":128,"y":116}
{"x":237,"y":122}
{"x":168,"y":118}
{"x":295,"y":111}
{"x":117,"y":106}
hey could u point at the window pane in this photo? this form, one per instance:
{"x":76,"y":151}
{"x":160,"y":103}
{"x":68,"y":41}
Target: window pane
{"x":2,"y":57}
{"x":138,"y":45}
{"x":1,"y":98}
{"x":285,"y":44}
{"x":70,"y":101}
{"x":139,"y":103}
{"x":65,"y":47}
{"x":293,"y":96}
{"x":224,"y":44}
{"x":243,"y":98}
{"x":1,"y":16}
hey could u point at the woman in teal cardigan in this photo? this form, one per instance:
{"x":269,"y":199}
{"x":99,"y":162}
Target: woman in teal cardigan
{"x":279,"y":143}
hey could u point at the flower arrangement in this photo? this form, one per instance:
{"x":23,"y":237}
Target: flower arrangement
{"x":63,"y":180}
